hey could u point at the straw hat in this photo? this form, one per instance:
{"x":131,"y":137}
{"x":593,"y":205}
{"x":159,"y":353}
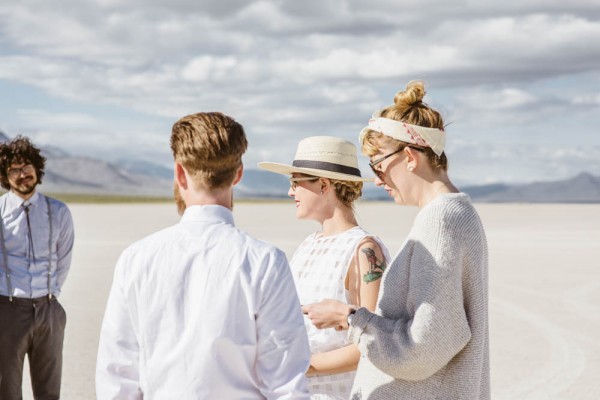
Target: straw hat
{"x":322,"y":156}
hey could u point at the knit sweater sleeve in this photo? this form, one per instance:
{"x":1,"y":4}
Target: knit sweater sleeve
{"x":431,"y":327}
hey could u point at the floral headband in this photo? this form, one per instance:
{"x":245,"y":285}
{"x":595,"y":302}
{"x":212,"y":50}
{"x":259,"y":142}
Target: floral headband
{"x":408,"y":133}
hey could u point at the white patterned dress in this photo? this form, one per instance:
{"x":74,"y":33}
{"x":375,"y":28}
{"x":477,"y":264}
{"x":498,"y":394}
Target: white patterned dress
{"x":319,"y":267}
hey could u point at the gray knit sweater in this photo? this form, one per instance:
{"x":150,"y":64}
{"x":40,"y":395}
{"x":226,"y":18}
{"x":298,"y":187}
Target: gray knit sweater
{"x":429,"y":336}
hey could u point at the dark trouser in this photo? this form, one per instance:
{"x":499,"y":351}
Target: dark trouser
{"x":35,"y":327}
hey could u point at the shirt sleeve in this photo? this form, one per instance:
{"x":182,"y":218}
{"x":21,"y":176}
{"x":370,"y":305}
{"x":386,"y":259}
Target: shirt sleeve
{"x":419,"y":344}
{"x":117,"y":365}
{"x":283,"y":354}
{"x":64,"y":245}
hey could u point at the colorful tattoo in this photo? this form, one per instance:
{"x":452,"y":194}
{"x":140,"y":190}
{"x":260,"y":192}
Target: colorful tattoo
{"x":375,"y":267}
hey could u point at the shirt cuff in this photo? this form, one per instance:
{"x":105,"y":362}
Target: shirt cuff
{"x":359,"y":322}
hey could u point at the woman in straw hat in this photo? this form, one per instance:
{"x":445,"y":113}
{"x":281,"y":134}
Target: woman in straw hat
{"x":429,"y":336}
{"x":341,"y":262}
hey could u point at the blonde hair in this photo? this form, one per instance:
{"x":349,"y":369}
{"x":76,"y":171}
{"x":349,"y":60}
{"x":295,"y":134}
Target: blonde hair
{"x":408,"y":107}
{"x":347,"y":191}
{"x":210,"y":147}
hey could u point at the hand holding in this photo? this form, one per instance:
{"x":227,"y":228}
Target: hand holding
{"x":328,"y":313}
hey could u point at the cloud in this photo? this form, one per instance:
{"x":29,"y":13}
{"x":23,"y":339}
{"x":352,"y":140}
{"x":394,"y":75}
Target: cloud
{"x":511,"y":163}
{"x":291,"y":69}
{"x":58,"y":120}
{"x":206,"y":68}
{"x":89,"y":135}
{"x":503,"y":100}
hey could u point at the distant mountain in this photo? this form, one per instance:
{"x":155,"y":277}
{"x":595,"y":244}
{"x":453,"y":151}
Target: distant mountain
{"x":66,"y":173}
{"x":70,"y":174}
{"x":257,"y":183}
{"x":146,"y":168}
{"x":583,"y":188}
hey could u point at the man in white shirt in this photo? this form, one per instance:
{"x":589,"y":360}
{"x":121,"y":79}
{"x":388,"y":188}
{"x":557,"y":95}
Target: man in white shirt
{"x":201,"y":310}
{"x":36,"y":240}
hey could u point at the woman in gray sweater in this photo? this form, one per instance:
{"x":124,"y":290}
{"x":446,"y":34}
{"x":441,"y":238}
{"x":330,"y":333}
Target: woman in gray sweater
{"x":428,"y":338}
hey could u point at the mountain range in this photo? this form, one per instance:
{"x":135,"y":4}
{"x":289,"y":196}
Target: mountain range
{"x":72,"y":174}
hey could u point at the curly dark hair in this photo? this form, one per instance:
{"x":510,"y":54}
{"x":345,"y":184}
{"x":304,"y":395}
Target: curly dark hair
{"x":20,"y":150}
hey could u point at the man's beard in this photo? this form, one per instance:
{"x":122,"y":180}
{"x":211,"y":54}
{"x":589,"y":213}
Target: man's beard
{"x":178,"y":199}
{"x":24,"y":188}
{"x":181,"y":204}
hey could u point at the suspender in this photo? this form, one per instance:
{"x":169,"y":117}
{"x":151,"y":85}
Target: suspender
{"x":5,"y":253}
{"x":49,"y":245}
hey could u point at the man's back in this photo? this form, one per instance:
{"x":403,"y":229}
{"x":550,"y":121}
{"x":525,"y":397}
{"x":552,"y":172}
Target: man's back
{"x":202,"y":310}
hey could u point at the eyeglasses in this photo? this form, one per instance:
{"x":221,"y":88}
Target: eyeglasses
{"x":379,"y":173}
{"x":294,"y":184}
{"x":16,"y":172}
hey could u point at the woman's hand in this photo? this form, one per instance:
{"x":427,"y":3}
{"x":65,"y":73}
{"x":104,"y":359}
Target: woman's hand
{"x":328,"y":314}
{"x":311,"y":371}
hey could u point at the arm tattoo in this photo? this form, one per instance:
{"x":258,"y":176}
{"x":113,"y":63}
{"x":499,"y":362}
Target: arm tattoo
{"x":376,"y":267}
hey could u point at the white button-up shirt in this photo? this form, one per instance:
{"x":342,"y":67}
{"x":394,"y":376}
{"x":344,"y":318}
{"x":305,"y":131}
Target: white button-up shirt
{"x":201,"y":310}
{"x":29,"y":270}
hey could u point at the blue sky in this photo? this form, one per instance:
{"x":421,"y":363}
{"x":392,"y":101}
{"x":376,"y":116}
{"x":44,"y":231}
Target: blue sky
{"x":519,"y":80}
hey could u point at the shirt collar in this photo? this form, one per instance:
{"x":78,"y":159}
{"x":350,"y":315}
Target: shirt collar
{"x":14,"y":202}
{"x":209,"y":213}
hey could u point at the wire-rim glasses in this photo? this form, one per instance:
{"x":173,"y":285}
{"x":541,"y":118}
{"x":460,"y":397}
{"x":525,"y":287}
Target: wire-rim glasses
{"x":294,"y":184}
{"x":16,"y":172}
{"x":379,"y":173}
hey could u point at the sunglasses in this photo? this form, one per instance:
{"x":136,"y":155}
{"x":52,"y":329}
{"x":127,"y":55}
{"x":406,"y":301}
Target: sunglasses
{"x":294,"y":184}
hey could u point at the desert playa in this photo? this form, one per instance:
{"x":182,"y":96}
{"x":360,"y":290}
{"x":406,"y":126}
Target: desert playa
{"x":544,"y":285}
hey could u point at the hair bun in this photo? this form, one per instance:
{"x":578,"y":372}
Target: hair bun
{"x":413,"y":94}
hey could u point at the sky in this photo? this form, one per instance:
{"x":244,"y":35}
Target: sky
{"x":518,"y":81}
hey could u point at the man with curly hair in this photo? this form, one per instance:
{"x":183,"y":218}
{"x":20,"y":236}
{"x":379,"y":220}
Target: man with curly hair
{"x":36,"y":236}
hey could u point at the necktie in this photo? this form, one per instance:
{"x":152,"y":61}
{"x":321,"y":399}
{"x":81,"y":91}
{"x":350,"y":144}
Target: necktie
{"x":29,"y":236}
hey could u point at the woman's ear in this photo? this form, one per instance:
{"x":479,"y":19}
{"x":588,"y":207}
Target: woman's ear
{"x":325,"y":184}
{"x":412,"y":159}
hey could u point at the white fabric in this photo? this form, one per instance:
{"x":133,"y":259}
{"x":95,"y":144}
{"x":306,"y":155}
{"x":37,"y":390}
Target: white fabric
{"x":201,"y":310}
{"x":408,"y":133}
{"x":29,"y":279}
{"x":319,"y":267}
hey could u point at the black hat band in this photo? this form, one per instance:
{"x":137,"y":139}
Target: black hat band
{"x":326,"y":166}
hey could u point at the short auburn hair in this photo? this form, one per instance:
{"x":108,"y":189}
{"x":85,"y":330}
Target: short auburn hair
{"x":20,"y":150}
{"x":210,"y":147}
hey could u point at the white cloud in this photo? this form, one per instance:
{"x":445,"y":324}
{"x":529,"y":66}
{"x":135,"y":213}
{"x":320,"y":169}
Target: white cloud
{"x":301,"y":68}
{"x":587,"y":99}
{"x":503,"y":100}
{"x":37,"y":117}
{"x":206,"y":68}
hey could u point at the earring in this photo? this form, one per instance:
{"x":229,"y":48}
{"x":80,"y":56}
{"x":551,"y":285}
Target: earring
{"x":411,"y":168}
{"x":322,"y":192}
